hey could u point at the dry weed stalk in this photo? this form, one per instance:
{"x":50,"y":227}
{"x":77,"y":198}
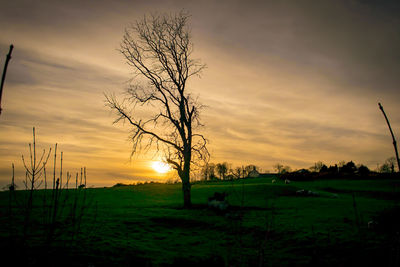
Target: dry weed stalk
{"x":60,"y":212}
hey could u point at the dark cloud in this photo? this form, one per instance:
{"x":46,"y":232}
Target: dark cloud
{"x":352,"y":43}
{"x":29,"y":67}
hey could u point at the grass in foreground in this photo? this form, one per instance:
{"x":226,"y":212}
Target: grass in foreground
{"x":266,"y":225}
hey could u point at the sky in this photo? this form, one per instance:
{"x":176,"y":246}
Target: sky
{"x":290,"y":82}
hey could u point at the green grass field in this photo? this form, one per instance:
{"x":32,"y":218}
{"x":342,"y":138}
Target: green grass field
{"x":267,"y":224}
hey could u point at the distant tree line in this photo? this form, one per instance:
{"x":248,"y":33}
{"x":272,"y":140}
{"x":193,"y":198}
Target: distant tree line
{"x":341,"y":170}
{"x":225,"y":171}
{"x":350,"y":167}
{"x":281,"y":169}
{"x":387,"y":166}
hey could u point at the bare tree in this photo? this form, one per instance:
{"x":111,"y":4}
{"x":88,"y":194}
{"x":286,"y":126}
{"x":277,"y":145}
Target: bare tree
{"x":278,"y":167}
{"x":286,"y":169}
{"x":391,"y":162}
{"x":317,"y":166}
{"x":250,"y":168}
{"x":159,"y":49}
{"x":222,"y":169}
{"x":238,"y":172}
{"x":388,"y":165}
{"x":208,"y":171}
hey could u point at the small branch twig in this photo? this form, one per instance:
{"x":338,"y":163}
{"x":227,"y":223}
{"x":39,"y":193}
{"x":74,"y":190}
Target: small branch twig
{"x":4,"y":72}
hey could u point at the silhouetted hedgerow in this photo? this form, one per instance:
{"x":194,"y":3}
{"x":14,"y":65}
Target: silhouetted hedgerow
{"x":310,"y":176}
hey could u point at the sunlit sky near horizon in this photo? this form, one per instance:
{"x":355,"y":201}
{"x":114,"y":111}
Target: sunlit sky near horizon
{"x":293,"y":82}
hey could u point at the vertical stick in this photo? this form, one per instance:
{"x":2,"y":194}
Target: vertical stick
{"x":54,"y":168}
{"x":26,"y":180}
{"x":4,"y":73}
{"x":12,"y":179}
{"x":60,"y":179}
{"x":68,"y":176}
{"x":44,"y":195}
{"x":356,"y":215}
{"x":45,"y":177}
{"x":54,"y":190}
{"x":391,"y":132}
{"x":34,"y":149}
{"x":61,"y":166}
{"x":11,"y":189}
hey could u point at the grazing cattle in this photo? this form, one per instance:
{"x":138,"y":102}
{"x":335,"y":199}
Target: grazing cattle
{"x":307,"y":193}
{"x":372,"y":225}
{"x":300,"y":192}
{"x":218,"y":201}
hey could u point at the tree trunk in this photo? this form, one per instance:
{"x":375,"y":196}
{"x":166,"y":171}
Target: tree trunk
{"x":186,"y":186}
{"x":185,"y":177}
{"x":187,"y":201}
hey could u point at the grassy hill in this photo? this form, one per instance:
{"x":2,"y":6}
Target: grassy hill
{"x":267,"y":224}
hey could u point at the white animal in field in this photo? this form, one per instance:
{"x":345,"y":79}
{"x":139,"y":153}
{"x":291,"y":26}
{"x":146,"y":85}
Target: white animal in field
{"x":218,"y":201}
{"x":309,"y":193}
{"x":287,"y":181}
{"x":372,"y":224}
{"x":218,"y":205}
{"x":273,"y":181}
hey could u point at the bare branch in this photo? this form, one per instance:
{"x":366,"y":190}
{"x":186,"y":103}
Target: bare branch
{"x":139,"y":126}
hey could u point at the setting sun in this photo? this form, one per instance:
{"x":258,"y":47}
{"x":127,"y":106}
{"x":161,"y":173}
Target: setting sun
{"x":161,"y":167}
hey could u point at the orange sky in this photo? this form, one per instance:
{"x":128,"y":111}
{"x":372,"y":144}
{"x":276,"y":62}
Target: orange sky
{"x":285,"y":82}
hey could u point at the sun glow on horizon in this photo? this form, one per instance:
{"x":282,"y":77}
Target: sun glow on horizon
{"x":161,"y":167}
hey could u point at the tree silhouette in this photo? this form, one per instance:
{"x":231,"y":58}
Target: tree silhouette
{"x":323,"y":168}
{"x":348,"y":168}
{"x":238,"y":172}
{"x":388,"y":165}
{"x":208,"y":171}
{"x":317,"y":166}
{"x":222,"y":169}
{"x":278,"y":167}
{"x":391,"y":162}
{"x":159,"y":49}
{"x":333,"y":169}
{"x":363,"y":170}
{"x":286,"y":169}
